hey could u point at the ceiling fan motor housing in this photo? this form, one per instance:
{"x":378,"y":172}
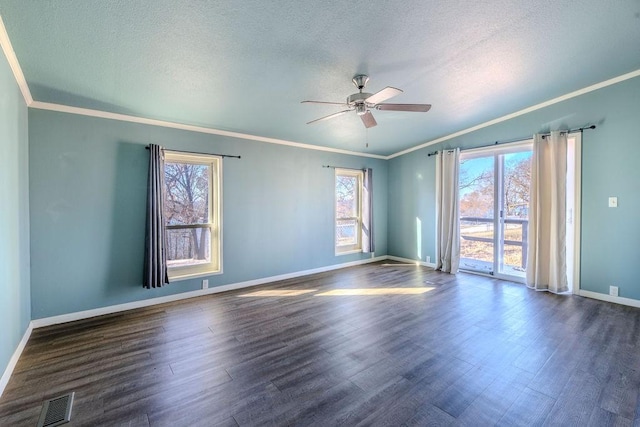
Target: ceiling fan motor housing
{"x":358,"y":100}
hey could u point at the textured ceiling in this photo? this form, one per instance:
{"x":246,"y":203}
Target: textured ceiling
{"x":245,"y":66}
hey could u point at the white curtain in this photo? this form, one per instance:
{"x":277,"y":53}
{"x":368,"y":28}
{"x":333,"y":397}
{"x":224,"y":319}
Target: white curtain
{"x":448,"y":211}
{"x":547,"y":258}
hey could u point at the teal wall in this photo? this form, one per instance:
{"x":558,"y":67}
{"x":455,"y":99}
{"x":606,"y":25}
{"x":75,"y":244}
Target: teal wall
{"x":88,"y":187}
{"x":610,"y":247}
{"x":88,"y":183}
{"x":15,"y":303}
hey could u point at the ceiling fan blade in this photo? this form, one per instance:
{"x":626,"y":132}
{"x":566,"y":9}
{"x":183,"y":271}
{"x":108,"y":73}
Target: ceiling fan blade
{"x":368,"y":120}
{"x":418,"y":108}
{"x":324,"y":102}
{"x":383,"y":95}
{"x":330,"y":116}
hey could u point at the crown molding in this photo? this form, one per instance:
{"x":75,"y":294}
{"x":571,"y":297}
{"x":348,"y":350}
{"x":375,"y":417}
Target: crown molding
{"x":153,"y":122}
{"x":570,"y":95}
{"x":212,"y":131}
{"x":7,"y":48}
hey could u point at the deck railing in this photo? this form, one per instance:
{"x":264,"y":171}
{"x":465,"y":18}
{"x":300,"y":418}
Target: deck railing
{"x":524,"y":224}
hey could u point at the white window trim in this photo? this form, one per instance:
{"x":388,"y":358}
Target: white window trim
{"x":215,"y":216}
{"x":348,"y":249}
{"x":511,"y":147}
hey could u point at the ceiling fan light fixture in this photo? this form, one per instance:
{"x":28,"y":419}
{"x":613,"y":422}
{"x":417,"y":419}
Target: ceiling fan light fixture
{"x":361,"y":109}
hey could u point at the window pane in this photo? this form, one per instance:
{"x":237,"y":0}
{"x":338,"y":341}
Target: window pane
{"x":515,"y":196}
{"x":187,"y":195}
{"x":348,"y":205}
{"x":477,"y":214}
{"x":188,"y":246}
{"x":346,"y":232}
{"x":346,"y":196}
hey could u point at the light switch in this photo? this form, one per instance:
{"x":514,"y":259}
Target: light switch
{"x":613,"y":202}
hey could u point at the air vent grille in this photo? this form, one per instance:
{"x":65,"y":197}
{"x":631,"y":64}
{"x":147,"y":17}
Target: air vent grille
{"x":56,"y":411}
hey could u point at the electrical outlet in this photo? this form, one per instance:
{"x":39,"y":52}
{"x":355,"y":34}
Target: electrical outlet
{"x":613,"y":202}
{"x":613,"y":291}
{"x":205,"y":283}
{"x":428,"y":259}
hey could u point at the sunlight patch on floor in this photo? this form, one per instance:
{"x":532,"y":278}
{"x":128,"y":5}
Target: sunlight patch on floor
{"x":338,"y":292}
{"x":279,"y":293}
{"x":374,"y":291}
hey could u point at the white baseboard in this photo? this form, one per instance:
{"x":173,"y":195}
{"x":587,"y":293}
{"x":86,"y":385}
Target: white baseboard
{"x":4,"y":380}
{"x":604,"y":297}
{"x":411,"y":261}
{"x":70,"y":317}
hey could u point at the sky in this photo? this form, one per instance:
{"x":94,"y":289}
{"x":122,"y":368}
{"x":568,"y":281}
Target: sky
{"x":476,"y":166}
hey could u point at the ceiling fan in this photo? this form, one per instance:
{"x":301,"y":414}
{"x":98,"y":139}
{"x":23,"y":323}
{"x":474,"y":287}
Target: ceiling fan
{"x":363,"y":102}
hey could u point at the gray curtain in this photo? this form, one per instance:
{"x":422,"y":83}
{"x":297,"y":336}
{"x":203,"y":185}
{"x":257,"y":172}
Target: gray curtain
{"x":155,"y":255}
{"x":367,"y":212}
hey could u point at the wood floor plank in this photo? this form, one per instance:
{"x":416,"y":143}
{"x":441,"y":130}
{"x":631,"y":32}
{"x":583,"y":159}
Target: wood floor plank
{"x":470,"y":351}
{"x":531,"y":408}
{"x":621,"y":391}
{"x":600,"y":417}
{"x":494,"y":401}
{"x":576,"y":402}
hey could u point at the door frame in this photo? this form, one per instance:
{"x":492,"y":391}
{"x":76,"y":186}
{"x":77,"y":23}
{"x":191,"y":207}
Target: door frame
{"x":577,"y":210}
{"x":496,"y":151}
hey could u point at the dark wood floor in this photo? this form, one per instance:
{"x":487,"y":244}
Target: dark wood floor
{"x":467,"y":351}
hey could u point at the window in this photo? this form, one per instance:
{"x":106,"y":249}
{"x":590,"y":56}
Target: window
{"x":348,"y":210}
{"x":192,"y":214}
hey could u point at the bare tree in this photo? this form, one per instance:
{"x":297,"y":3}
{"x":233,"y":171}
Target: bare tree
{"x":468,"y":180}
{"x":477,"y":201}
{"x":346,"y":192}
{"x":516,"y":188}
{"x":187,"y":202}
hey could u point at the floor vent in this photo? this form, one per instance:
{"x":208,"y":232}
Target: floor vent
{"x":56,"y":411}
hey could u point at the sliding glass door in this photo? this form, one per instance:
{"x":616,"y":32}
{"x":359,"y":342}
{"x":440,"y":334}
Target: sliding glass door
{"x":494,"y":200}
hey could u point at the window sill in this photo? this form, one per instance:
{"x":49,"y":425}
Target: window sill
{"x":178,"y":277}
{"x":353,"y":251}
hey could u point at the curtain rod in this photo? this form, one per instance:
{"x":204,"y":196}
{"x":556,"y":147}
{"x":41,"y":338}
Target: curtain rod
{"x":196,"y":152}
{"x":544,"y":135}
{"x":340,"y":167}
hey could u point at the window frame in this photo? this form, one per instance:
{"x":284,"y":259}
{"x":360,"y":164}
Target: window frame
{"x":214,"y":267}
{"x":357,"y":247}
